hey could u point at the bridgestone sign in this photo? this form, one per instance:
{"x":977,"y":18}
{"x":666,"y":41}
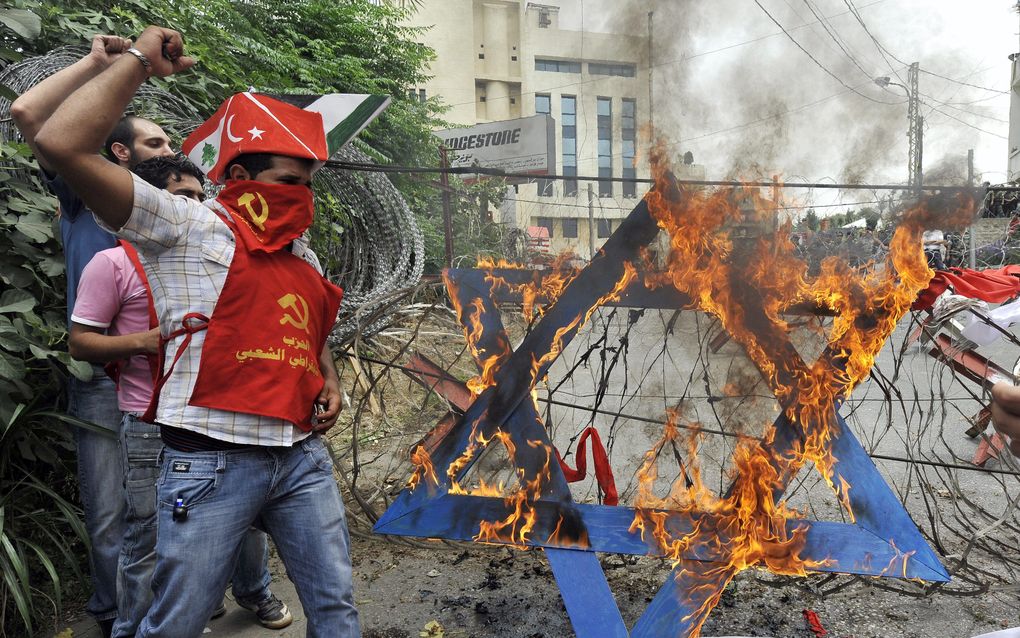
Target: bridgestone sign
{"x":526,"y":145}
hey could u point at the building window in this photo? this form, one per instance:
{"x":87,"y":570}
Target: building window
{"x":570,"y":227}
{"x":621,"y":70}
{"x":546,"y":223}
{"x":557,"y":66}
{"x":605,"y":228}
{"x":605,"y":126}
{"x":543,"y":19}
{"x":416,"y":95}
{"x":568,"y":116}
{"x":628,"y":121}
{"x":543,"y":106}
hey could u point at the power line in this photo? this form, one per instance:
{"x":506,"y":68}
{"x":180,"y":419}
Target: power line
{"x":495,"y":172}
{"x":977,"y":128}
{"x":815,"y":60}
{"x":974,"y":86}
{"x":832,"y":34}
{"x":983,"y":99}
{"x":882,"y":49}
{"x":558,"y":203}
{"x":962,"y":110}
{"x":878,"y":45}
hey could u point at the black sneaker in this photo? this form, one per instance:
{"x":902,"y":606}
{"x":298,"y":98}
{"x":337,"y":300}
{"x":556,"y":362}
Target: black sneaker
{"x":219,"y":611}
{"x":271,"y":612}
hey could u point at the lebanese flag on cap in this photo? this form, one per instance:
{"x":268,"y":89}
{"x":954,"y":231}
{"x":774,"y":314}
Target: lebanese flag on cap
{"x":308,"y":126}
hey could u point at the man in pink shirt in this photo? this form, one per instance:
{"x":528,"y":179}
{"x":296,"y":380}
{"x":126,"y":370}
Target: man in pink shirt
{"x":110,"y":322}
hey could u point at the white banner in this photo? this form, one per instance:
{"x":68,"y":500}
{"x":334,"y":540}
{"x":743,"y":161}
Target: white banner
{"x":525,"y":145}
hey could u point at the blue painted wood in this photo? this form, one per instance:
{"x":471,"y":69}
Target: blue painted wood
{"x":678,"y":607}
{"x":586,"y":595}
{"x":876,"y":507}
{"x":471,"y":287}
{"x":856,"y":550}
{"x":589,"y":601}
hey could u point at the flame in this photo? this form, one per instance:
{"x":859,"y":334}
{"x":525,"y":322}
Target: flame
{"x":736,"y":263}
{"x":898,"y":563}
{"x":516,"y":527}
{"x":423,"y":468}
{"x":542,"y":290}
{"x":470,"y":316}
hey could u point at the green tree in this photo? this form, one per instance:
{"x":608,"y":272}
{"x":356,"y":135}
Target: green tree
{"x":871,"y":217}
{"x":811,"y":219}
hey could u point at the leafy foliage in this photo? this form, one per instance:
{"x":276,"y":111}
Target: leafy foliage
{"x":40,"y":530}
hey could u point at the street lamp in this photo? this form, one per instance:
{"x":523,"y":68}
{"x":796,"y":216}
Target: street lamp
{"x":915,"y":125}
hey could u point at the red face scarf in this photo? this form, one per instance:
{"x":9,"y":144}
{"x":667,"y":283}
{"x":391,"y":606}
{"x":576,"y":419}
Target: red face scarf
{"x":269,"y":216}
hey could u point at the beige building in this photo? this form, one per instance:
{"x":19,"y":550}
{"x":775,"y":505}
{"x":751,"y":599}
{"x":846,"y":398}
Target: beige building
{"x":505,"y":59}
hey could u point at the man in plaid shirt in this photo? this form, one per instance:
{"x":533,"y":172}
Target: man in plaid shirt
{"x":247,"y":384}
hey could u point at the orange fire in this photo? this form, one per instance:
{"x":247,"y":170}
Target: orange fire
{"x":423,"y":468}
{"x":470,"y":315}
{"x":731,"y":258}
{"x":543,"y":289}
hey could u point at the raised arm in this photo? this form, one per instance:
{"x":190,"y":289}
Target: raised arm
{"x":33,"y":108}
{"x":69,"y":139}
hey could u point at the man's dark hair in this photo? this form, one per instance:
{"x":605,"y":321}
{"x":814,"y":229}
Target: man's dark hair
{"x":157,"y":170}
{"x":123,"y":133}
{"x":255,"y":163}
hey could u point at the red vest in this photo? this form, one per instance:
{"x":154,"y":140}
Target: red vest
{"x":267,"y":330}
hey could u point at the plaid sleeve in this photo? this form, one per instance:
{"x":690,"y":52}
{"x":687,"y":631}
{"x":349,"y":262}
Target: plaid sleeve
{"x":304,"y":251}
{"x":158,"y":219}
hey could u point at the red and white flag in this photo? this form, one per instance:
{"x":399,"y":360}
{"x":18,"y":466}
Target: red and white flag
{"x":308,"y":126}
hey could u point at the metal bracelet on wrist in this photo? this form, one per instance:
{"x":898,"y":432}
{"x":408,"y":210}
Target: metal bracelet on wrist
{"x":141,"y":58}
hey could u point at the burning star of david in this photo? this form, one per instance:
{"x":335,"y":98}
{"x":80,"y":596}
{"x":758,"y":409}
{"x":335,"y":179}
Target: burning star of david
{"x":571,"y":533}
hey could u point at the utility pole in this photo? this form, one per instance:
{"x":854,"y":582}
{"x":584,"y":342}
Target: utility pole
{"x":651,"y":71}
{"x":591,"y":222}
{"x":444,"y":181}
{"x":973,"y":225}
{"x":915,"y":132}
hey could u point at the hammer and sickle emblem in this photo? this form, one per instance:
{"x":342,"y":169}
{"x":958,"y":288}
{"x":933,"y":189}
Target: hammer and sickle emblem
{"x":247,"y":199}
{"x":297,"y":304}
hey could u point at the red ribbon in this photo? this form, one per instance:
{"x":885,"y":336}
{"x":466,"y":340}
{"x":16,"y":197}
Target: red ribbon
{"x":814,"y":624}
{"x":603,"y":472}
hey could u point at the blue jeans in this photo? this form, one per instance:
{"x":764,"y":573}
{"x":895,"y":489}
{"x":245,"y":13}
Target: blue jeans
{"x":101,"y":481}
{"x":141,"y":448}
{"x":292,"y":493}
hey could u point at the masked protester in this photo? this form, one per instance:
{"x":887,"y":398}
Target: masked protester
{"x":247,"y":384}
{"x":114,"y":323}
